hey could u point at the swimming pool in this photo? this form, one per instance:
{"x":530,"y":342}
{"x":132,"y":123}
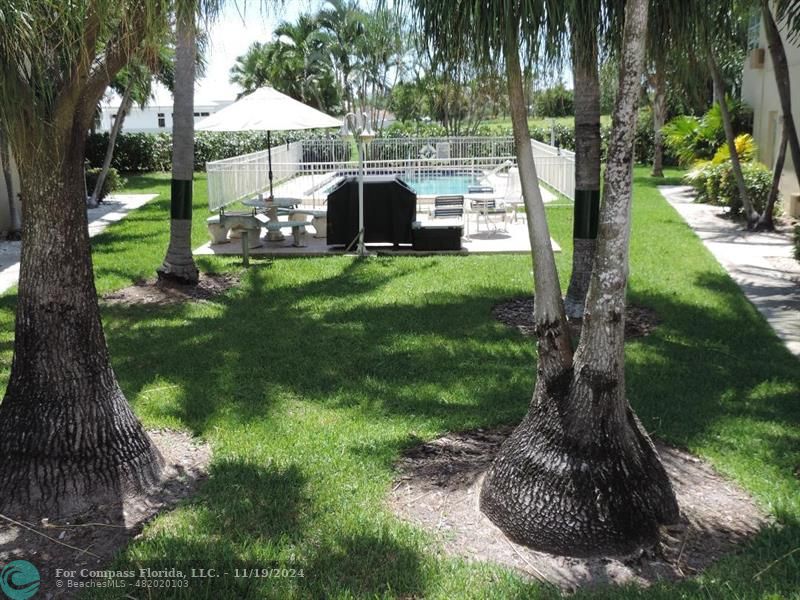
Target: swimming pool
{"x":441,"y":185}
{"x":435,"y":184}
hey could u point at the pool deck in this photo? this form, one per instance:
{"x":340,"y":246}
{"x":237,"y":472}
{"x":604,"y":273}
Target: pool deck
{"x":480,"y":241}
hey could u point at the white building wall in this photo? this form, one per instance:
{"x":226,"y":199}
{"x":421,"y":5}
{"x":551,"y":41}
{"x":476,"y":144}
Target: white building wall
{"x":152,"y":119}
{"x":760,"y":91}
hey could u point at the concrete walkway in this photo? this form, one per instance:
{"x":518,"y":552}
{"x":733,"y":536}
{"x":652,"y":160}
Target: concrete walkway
{"x":112,"y":209}
{"x":760,"y":263}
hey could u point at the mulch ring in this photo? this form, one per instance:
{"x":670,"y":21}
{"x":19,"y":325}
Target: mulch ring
{"x":439,"y":483}
{"x":162,"y":292}
{"x":640,"y":321}
{"x":90,"y":540}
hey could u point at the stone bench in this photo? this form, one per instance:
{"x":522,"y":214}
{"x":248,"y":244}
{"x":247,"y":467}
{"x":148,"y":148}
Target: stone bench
{"x":319,"y":219}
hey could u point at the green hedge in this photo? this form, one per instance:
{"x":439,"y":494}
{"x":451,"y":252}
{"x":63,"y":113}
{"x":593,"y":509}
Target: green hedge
{"x":112,"y":183}
{"x":715,"y":184}
{"x":797,"y":242}
{"x":143,"y":152}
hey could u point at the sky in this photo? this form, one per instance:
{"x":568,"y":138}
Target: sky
{"x":233,"y":33}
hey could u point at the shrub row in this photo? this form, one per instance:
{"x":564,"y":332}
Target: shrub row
{"x":142,"y":152}
{"x":715,"y":184}
{"x":797,"y":242}
{"x":112,"y":183}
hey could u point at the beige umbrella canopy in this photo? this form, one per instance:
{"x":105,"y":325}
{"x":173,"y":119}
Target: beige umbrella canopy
{"x":268,"y":110}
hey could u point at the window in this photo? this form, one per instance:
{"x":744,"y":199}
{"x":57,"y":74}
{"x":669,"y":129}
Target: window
{"x":754,"y":29}
{"x":204,"y":114}
{"x":162,"y":122}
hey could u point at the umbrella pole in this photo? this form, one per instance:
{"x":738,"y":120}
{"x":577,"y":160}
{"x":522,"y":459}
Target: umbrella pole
{"x":269,"y":159}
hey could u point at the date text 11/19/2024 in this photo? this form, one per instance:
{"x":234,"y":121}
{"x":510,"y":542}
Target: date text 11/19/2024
{"x":192,"y":573}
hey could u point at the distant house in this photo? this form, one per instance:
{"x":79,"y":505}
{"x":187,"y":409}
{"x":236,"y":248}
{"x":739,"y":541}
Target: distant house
{"x":156,"y":116}
{"x":761,"y":93}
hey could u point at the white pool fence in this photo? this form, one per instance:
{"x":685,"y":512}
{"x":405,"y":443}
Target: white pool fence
{"x":309,"y":167}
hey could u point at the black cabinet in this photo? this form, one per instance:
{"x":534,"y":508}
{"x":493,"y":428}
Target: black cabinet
{"x":390,"y":206}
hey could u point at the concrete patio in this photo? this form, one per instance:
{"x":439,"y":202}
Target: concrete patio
{"x":514,"y":239}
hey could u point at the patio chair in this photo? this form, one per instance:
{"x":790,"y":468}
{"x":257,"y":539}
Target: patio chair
{"x":492,"y":212}
{"x":450,"y":207}
{"x":513,"y":194}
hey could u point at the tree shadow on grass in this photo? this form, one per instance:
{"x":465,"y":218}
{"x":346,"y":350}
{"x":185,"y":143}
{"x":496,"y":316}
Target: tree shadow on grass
{"x":339,"y":342}
{"x":254,"y":343}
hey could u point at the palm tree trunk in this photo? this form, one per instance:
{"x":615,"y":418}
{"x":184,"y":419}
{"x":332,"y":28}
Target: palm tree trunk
{"x":659,"y":117}
{"x":579,"y":476}
{"x":5,"y":165}
{"x":719,"y":88}
{"x":125,"y":106}
{"x":783,"y":82}
{"x":765,"y":221}
{"x":179,"y":263}
{"x":587,"y":165}
{"x":68,"y":438}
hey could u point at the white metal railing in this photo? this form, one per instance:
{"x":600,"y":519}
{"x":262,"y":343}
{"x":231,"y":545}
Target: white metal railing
{"x":301,"y":168}
{"x":556,"y":167}
{"x":240,"y":177}
{"x":440,"y":147}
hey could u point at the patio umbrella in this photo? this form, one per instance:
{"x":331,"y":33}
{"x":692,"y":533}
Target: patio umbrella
{"x":268,"y":110}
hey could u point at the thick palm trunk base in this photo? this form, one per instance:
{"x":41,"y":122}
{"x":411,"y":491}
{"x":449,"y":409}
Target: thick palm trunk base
{"x":68,"y":439}
{"x":60,"y":460}
{"x":179,"y":264}
{"x":576,"y":480}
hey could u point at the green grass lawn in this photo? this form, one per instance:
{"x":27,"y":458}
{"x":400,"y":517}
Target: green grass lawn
{"x":311,"y":377}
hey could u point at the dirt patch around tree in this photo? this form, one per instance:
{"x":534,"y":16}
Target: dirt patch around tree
{"x":164,"y":292}
{"x":90,"y":540}
{"x":640,"y":321}
{"x":439,"y":483}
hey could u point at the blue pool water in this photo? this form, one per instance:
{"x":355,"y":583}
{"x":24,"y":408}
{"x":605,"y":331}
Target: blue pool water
{"x":441,"y":185}
{"x":435,"y":184}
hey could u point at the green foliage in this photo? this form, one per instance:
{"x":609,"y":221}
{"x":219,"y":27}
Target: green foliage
{"x":692,"y":138}
{"x":304,"y":448}
{"x":746,"y":150}
{"x":797,"y":242}
{"x":143,"y":152}
{"x":556,"y":101}
{"x":716,"y":184}
{"x":111,"y":184}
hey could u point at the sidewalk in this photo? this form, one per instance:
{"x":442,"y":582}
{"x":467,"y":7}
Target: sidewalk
{"x":112,"y":209}
{"x":760,"y":263}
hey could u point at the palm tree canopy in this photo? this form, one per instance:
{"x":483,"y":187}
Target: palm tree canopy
{"x":59,"y":58}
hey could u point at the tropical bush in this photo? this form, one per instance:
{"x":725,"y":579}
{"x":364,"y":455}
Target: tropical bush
{"x":143,"y":152}
{"x":716,"y":184}
{"x":691,"y":138}
{"x":112,"y":183}
{"x":556,"y":101}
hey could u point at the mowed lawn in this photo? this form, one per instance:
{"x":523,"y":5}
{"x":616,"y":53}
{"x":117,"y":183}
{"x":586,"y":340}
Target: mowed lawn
{"x":311,"y":377}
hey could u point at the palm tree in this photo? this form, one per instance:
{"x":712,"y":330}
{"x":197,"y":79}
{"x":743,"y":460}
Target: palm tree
{"x":134,"y":84}
{"x":580,"y":434}
{"x":584,"y":22}
{"x":343,"y":19}
{"x":252,"y":70}
{"x":781,"y":70}
{"x":5,"y":166}
{"x":68,"y":435}
{"x":179,"y":263}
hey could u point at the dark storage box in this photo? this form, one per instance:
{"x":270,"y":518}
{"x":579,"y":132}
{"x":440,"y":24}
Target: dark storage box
{"x":437,"y":237}
{"x":390,"y":206}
